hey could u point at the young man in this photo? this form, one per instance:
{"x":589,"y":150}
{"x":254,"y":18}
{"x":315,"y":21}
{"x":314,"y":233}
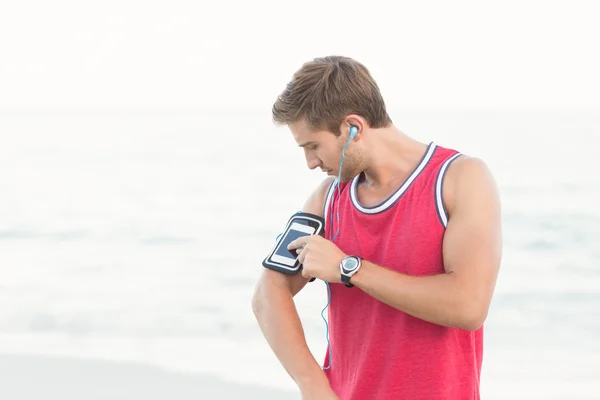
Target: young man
{"x":411,"y":261}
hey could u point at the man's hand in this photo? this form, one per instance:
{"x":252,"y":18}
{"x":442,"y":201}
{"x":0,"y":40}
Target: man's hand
{"x":320,"y":258}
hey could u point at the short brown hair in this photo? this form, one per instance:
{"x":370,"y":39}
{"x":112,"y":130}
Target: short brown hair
{"x":323,"y":91}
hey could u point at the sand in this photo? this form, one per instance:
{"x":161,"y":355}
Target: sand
{"x":48,"y":378}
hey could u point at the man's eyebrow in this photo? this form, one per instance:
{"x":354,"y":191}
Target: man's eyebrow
{"x":306,"y":144}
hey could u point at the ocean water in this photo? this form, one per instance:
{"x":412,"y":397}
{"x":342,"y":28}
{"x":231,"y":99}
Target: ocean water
{"x":138,"y":235}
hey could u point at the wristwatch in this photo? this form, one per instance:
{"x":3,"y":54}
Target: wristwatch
{"x":348,"y":267}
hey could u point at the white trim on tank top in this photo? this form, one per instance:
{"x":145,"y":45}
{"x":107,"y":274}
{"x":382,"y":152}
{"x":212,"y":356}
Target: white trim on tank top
{"x":396,"y":195}
{"x":439,"y":200}
{"x":328,"y":198}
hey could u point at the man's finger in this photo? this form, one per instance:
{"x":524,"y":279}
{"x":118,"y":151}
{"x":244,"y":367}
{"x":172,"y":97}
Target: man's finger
{"x":301,"y":255}
{"x":301,"y":241}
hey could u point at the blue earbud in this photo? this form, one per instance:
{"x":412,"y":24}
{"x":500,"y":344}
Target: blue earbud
{"x":353,"y":131}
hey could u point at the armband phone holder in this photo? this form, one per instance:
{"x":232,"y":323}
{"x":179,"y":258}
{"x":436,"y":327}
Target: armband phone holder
{"x":300,"y":224}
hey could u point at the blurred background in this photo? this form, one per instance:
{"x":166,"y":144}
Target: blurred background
{"x":142,"y":183}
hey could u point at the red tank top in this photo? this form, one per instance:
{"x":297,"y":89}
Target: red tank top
{"x":378,"y":352}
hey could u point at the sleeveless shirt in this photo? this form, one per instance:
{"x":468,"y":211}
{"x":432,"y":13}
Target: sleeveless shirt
{"x":379,"y":352}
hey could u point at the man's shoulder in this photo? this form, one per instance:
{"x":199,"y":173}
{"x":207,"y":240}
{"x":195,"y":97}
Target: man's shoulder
{"x":466,"y":164}
{"x":464,"y":176}
{"x":316,"y":200}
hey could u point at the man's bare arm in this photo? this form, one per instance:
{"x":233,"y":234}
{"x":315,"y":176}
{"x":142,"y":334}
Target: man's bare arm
{"x":472,"y":250}
{"x":275,"y":311}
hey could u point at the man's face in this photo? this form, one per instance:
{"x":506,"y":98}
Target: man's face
{"x":323,"y":150}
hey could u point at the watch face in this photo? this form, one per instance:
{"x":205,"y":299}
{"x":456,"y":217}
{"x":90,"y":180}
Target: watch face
{"x":350,"y":264}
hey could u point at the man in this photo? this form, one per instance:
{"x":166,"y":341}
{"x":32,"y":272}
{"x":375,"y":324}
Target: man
{"x":411,"y":251}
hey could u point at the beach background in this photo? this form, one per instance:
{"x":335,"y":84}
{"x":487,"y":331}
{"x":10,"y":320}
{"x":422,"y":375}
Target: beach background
{"x":130,"y":244}
{"x":142,"y":183}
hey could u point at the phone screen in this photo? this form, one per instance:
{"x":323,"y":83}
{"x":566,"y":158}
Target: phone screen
{"x":282,"y":254}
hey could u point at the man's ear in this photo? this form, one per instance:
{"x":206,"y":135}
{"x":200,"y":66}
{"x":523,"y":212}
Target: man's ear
{"x":353,"y":126}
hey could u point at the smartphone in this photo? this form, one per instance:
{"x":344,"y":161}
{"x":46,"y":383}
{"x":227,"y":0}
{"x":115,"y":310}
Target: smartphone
{"x":286,"y":261}
{"x":282,"y":254}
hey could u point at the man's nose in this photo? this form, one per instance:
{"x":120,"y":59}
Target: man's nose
{"x":312,"y":161}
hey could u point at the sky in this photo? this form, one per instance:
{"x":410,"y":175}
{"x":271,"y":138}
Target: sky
{"x":195,"y":54}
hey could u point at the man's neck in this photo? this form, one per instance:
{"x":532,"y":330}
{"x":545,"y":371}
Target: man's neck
{"x":392,"y":157}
